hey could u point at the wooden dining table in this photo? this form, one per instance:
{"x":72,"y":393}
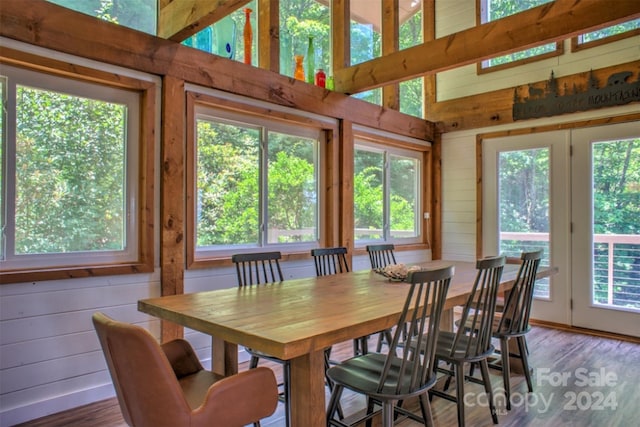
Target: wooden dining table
{"x":297,"y":319}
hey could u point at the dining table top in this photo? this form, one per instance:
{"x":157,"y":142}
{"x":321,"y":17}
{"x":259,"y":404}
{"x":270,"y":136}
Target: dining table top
{"x":293,"y":317}
{"x":297,"y":319}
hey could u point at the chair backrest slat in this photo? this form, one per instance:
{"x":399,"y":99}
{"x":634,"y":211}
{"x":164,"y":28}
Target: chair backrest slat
{"x":403,"y":372}
{"x":473,"y":337}
{"x":330,"y":260}
{"x":517,"y":308}
{"x":381,"y":255}
{"x":257,"y":268}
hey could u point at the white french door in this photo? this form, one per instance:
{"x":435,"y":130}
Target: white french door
{"x":544,"y":190}
{"x":526,"y":207}
{"x":606,"y":228}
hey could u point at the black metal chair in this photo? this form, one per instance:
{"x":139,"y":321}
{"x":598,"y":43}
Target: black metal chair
{"x":263,"y":268}
{"x":399,"y":374}
{"x":513,"y":322}
{"x":471,"y":343}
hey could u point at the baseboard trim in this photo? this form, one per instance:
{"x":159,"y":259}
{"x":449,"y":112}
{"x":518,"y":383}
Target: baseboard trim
{"x":585,"y":331}
{"x":35,"y":410}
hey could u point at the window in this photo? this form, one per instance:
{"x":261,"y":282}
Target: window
{"x":606,"y":35}
{"x":70,"y":173}
{"x":387,"y":204}
{"x":256,"y":183}
{"x":411,"y":91}
{"x":298,"y":22}
{"x":226,"y":37}
{"x":492,"y":10}
{"x":140,"y":15}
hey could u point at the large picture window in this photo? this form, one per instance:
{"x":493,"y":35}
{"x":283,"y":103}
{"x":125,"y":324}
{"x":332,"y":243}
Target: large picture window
{"x":256,"y":183}
{"x":386,"y":194}
{"x":70,"y":172}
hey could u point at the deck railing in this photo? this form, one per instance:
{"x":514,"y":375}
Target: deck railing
{"x":616,"y":264}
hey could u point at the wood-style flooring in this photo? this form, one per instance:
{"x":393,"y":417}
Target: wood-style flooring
{"x":579,"y":380}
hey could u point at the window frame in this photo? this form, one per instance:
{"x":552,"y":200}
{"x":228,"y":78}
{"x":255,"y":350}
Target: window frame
{"x":252,"y":113}
{"x":392,"y":145}
{"x":74,"y":72}
{"x":576,"y":46}
{"x":482,"y":69}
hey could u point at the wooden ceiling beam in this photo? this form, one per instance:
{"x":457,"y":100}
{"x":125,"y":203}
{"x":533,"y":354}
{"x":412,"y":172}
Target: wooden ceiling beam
{"x":548,"y":23}
{"x":180,"y":19}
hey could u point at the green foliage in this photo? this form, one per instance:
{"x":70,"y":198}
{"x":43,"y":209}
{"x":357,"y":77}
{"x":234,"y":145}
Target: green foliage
{"x":524,"y":190}
{"x":137,"y":14}
{"x":616,"y":184}
{"x":70,"y":166}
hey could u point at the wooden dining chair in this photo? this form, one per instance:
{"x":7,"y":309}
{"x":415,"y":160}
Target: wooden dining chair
{"x":398,"y":375}
{"x":381,"y":255}
{"x":166,"y":386}
{"x":471,"y":343}
{"x":513,"y":321}
{"x":264,"y":268}
{"x":258,"y":267}
{"x":329,"y":261}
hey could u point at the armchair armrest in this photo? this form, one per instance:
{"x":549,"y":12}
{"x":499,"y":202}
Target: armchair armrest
{"x":182,"y":358}
{"x":241,"y":399}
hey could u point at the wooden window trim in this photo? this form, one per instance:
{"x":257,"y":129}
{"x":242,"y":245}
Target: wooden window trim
{"x":145,"y":210}
{"x":250,"y":108}
{"x":427,"y":189}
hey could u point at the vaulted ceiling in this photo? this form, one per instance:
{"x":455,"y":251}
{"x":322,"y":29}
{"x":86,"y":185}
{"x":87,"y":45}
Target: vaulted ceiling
{"x":555,"y":21}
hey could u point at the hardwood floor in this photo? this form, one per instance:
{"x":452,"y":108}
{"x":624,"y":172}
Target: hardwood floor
{"x":579,"y":380}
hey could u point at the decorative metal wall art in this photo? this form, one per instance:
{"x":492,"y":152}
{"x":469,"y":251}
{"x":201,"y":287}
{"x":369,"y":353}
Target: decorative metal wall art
{"x":534,"y":102}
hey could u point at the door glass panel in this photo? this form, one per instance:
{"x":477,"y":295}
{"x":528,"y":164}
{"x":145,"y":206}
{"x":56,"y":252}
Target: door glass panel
{"x":524,"y":208}
{"x":616,"y":228}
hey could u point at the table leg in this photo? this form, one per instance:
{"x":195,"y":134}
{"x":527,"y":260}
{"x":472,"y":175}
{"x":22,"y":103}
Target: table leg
{"x":307,"y":390}
{"x":446,"y":320}
{"x":224,"y":357}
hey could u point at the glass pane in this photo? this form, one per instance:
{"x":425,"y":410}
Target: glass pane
{"x":226,"y":37}
{"x":368,"y":195}
{"x":70,"y":173}
{"x":610,"y":31}
{"x":411,"y":25}
{"x":300,"y":20}
{"x":293,"y":190}
{"x":523,"y":182}
{"x":228,"y":204}
{"x":411,"y":97}
{"x":616,"y":229}
{"x":137,"y":14}
{"x":404,"y":197}
{"x":366,"y":43}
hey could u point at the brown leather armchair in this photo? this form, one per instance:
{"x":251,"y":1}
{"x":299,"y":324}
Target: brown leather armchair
{"x":166,"y":385}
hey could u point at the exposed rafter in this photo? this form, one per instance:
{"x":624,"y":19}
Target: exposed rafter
{"x":180,"y":19}
{"x":551,"y":22}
